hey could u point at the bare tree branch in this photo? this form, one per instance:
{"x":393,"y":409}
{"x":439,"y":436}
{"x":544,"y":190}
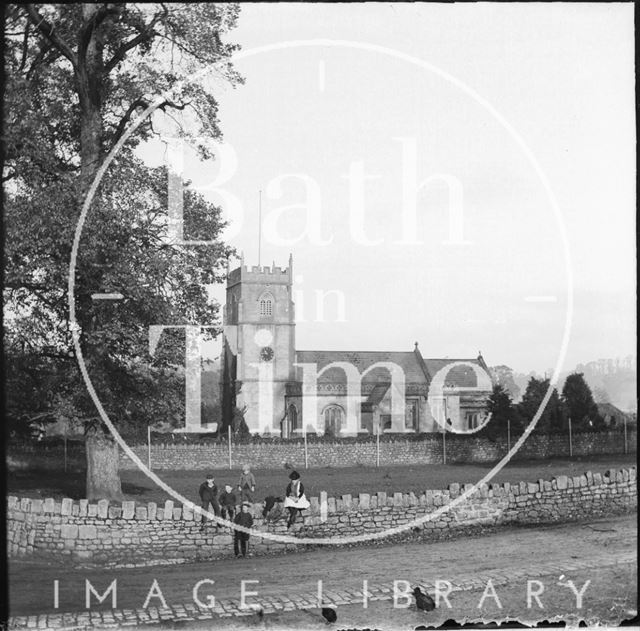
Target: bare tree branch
{"x":49,"y":32}
{"x":145,"y":34}
{"x":25,"y":47}
{"x":45,"y":48}
{"x":142,"y":103}
{"x":139,"y":102}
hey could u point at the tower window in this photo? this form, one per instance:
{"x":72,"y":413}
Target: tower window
{"x":266,"y":305}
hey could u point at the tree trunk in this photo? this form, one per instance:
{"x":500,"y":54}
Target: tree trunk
{"x":90,"y":77}
{"x":103,"y":479}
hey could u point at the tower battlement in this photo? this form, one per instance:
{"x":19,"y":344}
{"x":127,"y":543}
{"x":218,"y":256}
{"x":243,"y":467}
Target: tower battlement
{"x":261,"y":274}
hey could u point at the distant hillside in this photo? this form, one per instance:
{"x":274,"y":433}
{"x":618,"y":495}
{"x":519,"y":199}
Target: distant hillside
{"x":611,"y":381}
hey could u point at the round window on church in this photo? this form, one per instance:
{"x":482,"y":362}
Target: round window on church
{"x":263,"y":337}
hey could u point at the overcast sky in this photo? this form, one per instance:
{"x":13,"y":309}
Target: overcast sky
{"x":484,"y":265}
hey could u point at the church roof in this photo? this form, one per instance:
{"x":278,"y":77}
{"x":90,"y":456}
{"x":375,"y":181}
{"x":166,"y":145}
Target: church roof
{"x":608,"y":409}
{"x":416,"y":369}
{"x":377,"y":393}
{"x":459,"y":376}
{"x":365,"y":359}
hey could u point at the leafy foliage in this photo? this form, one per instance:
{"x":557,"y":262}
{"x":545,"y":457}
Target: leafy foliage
{"x":504,"y":415}
{"x":239,"y":425}
{"x":553,"y":417}
{"x":77,"y":76}
{"x":579,"y":403}
{"x":503,"y":375}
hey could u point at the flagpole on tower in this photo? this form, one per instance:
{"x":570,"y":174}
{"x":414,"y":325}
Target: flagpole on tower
{"x":259,"y":224}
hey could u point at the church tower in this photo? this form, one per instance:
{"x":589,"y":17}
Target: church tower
{"x":258,"y":345}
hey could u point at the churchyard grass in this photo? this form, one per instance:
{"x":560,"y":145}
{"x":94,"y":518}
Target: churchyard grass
{"x":54,"y":482}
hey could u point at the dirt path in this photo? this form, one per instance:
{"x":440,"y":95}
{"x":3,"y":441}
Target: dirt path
{"x":609,"y":599}
{"x":341,"y":570}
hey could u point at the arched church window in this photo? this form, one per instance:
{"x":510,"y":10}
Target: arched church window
{"x":333,"y":416}
{"x":266,"y":305}
{"x":293,"y":417}
{"x":472,"y":420}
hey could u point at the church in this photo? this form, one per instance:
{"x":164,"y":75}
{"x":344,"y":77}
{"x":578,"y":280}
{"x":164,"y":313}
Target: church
{"x":285,"y":392}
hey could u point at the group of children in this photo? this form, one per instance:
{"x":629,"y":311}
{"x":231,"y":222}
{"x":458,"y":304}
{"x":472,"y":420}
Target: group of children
{"x":226,"y":504}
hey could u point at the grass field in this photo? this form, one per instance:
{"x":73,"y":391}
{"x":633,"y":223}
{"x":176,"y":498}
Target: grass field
{"x":335,"y":481}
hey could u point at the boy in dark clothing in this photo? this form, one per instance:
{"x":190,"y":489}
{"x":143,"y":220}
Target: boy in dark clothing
{"x":227,"y":501}
{"x":209,"y":495}
{"x":247,"y":484}
{"x":241,"y":539}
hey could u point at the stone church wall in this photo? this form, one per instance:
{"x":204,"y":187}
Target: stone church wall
{"x":394,"y":450}
{"x":133,"y":534}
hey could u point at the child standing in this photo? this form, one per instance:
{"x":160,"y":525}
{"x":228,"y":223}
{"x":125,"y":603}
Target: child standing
{"x":247,"y":484}
{"x":227,"y":502}
{"x":241,"y":539}
{"x":208,"y":492}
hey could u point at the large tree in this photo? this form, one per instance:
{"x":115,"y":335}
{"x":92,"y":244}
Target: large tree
{"x":503,"y":375}
{"x":579,"y":403}
{"x":504,"y":415}
{"x":553,"y":417}
{"x":77,"y":76}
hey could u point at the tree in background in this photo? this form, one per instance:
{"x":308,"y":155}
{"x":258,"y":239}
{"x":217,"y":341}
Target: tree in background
{"x":30,"y":390}
{"x":600,"y":395}
{"x":579,"y":403}
{"x":77,"y":75}
{"x":239,"y":426}
{"x":552,"y":418}
{"x":503,"y":415}
{"x":211,"y":404}
{"x":503,"y":375}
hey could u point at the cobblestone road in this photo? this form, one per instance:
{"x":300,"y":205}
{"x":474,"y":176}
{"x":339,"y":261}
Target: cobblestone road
{"x":290,"y":583}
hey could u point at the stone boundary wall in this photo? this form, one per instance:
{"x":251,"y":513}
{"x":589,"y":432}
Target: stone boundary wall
{"x":136,"y":534}
{"x":459,"y":449}
{"x":394,"y":450}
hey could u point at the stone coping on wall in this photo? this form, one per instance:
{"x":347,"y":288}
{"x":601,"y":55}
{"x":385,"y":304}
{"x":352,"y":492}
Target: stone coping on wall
{"x":162,"y":441}
{"x":131,"y":510}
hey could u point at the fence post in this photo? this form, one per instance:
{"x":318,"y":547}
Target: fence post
{"x":625,"y":436}
{"x":444,"y":444}
{"x":149,"y":447}
{"x":508,"y":435}
{"x":65,"y":446}
{"x":570,"y":442}
{"x":378,"y":446}
{"x":229,"y":442}
{"x":306,"y":454}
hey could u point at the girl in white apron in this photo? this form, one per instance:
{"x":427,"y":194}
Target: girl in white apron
{"x":295,"y":499}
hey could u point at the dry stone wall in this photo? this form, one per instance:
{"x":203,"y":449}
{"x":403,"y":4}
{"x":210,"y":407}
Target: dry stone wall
{"x":134,"y":534}
{"x":393,"y":451}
